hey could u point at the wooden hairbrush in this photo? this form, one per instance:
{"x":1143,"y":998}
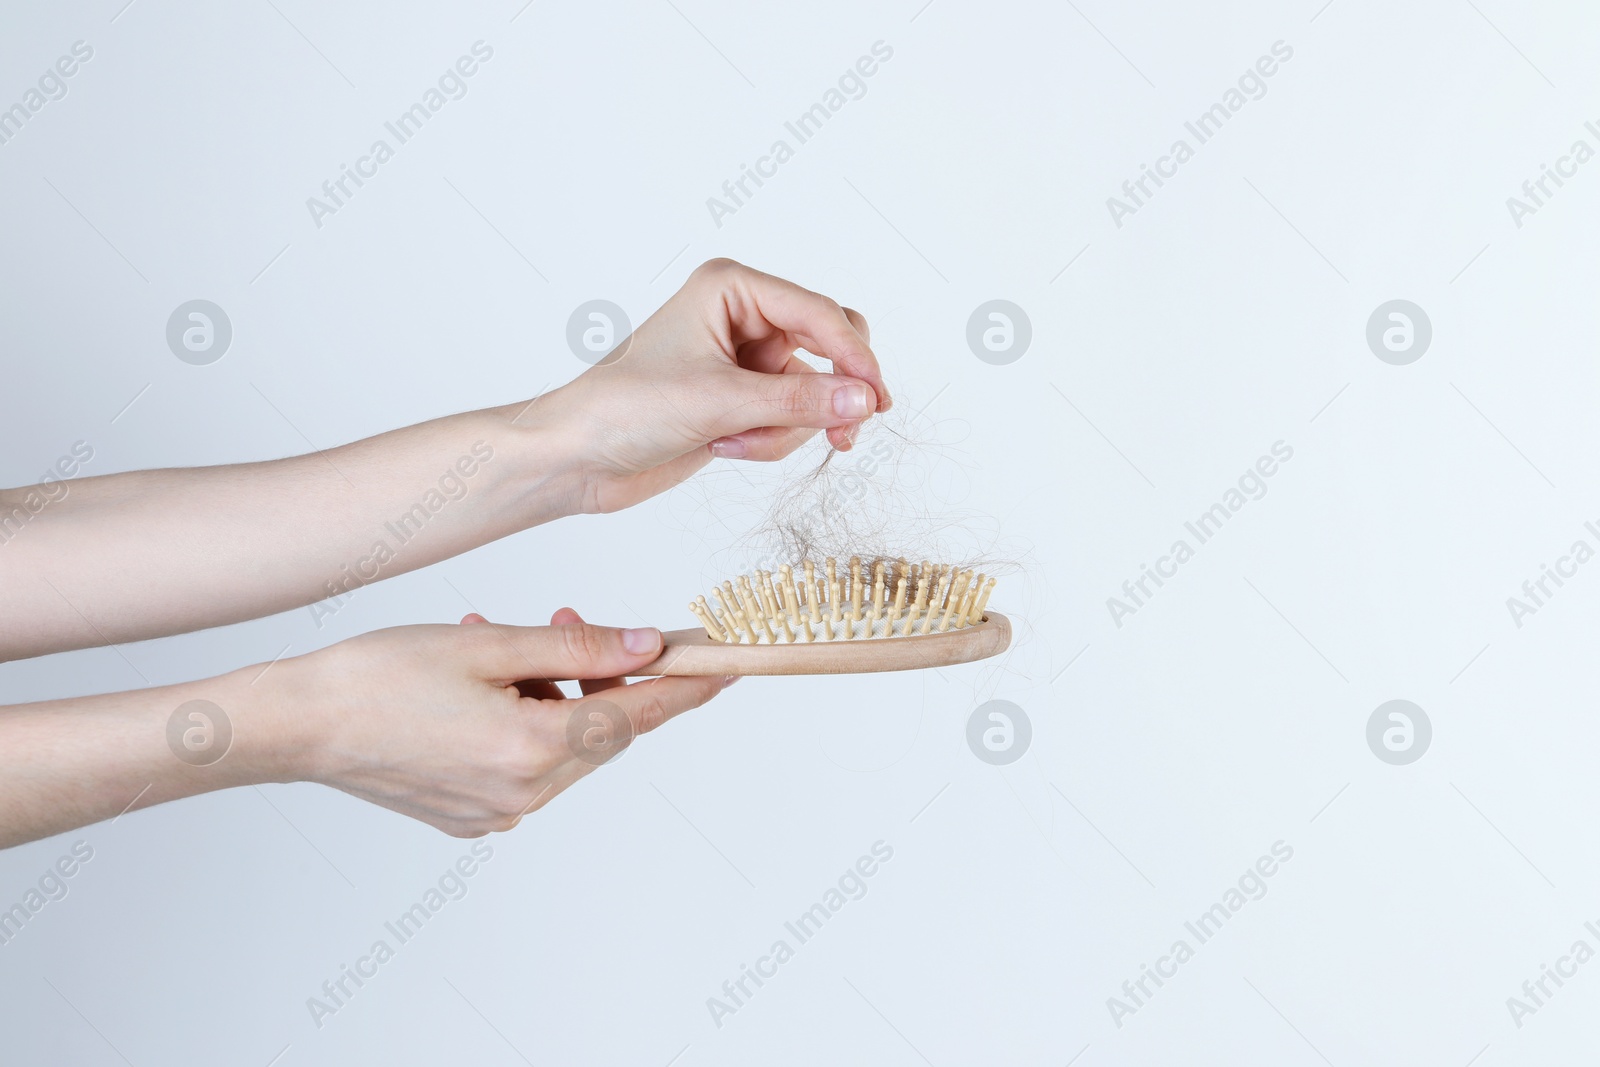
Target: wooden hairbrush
{"x":900,"y":617}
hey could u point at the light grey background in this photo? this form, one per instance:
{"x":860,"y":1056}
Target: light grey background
{"x":1168,"y":754}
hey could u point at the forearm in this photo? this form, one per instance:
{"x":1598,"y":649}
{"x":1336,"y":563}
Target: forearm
{"x":130,"y":556}
{"x":68,"y":763}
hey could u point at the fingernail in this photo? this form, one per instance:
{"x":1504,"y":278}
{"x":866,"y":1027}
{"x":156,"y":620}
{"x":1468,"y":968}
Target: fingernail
{"x":729,"y":680}
{"x":852,"y":401}
{"x":732,"y":449}
{"x":641,"y":640}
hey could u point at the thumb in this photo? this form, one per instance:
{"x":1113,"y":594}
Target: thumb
{"x":589,"y":686}
{"x":817,"y":401}
{"x":576,"y":650}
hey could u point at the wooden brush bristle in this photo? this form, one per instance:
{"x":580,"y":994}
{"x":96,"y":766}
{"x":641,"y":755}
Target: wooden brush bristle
{"x":888,"y":599}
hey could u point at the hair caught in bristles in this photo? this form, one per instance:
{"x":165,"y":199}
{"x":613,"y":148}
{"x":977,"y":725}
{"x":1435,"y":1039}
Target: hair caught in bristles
{"x":879,"y":598}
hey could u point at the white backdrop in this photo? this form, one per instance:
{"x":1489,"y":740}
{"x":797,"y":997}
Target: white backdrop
{"x":1222,"y":724}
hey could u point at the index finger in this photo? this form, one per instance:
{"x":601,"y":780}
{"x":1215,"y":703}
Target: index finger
{"x":757,"y":302}
{"x":652,"y":702}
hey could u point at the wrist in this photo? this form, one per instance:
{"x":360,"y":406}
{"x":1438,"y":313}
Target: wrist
{"x":541,"y":472}
{"x":264,"y":715}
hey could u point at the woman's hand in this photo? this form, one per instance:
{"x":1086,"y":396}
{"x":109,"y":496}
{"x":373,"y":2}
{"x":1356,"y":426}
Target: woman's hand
{"x":464,"y":727}
{"x":714,"y":373}
{"x":124,"y":557}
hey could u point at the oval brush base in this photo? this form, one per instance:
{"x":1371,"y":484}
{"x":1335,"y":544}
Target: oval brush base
{"x":693,"y":652}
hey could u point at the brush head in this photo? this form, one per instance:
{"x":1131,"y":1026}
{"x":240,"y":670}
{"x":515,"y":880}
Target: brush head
{"x":882,"y":615}
{"x":882,"y":599}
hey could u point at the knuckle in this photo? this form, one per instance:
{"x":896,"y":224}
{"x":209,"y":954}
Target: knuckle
{"x":858,"y":320}
{"x":718,"y":265}
{"x":798,"y":402}
{"x":708,"y":689}
{"x":793,"y":396}
{"x":651,"y":713}
{"x":477,"y":640}
{"x":584,"y":643}
{"x":500,"y":813}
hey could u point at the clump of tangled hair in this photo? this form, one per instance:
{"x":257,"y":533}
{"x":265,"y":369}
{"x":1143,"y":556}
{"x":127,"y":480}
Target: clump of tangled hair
{"x":895,"y":496}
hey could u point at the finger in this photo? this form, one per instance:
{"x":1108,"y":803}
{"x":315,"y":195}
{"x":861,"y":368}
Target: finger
{"x":649,"y":704}
{"x":551,"y":653}
{"x":859,"y":321}
{"x":757,"y":302}
{"x":767,"y":446}
{"x":535,"y":690}
{"x":567,"y":617}
{"x":773,"y":354}
{"x":844,"y":438}
{"x":764,"y":444}
{"x":819,"y":401}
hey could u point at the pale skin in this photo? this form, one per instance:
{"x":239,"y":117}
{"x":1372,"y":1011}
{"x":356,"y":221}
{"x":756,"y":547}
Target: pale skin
{"x":460,"y":726}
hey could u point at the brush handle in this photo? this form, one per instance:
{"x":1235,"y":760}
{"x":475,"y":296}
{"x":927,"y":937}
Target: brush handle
{"x":694,"y":652}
